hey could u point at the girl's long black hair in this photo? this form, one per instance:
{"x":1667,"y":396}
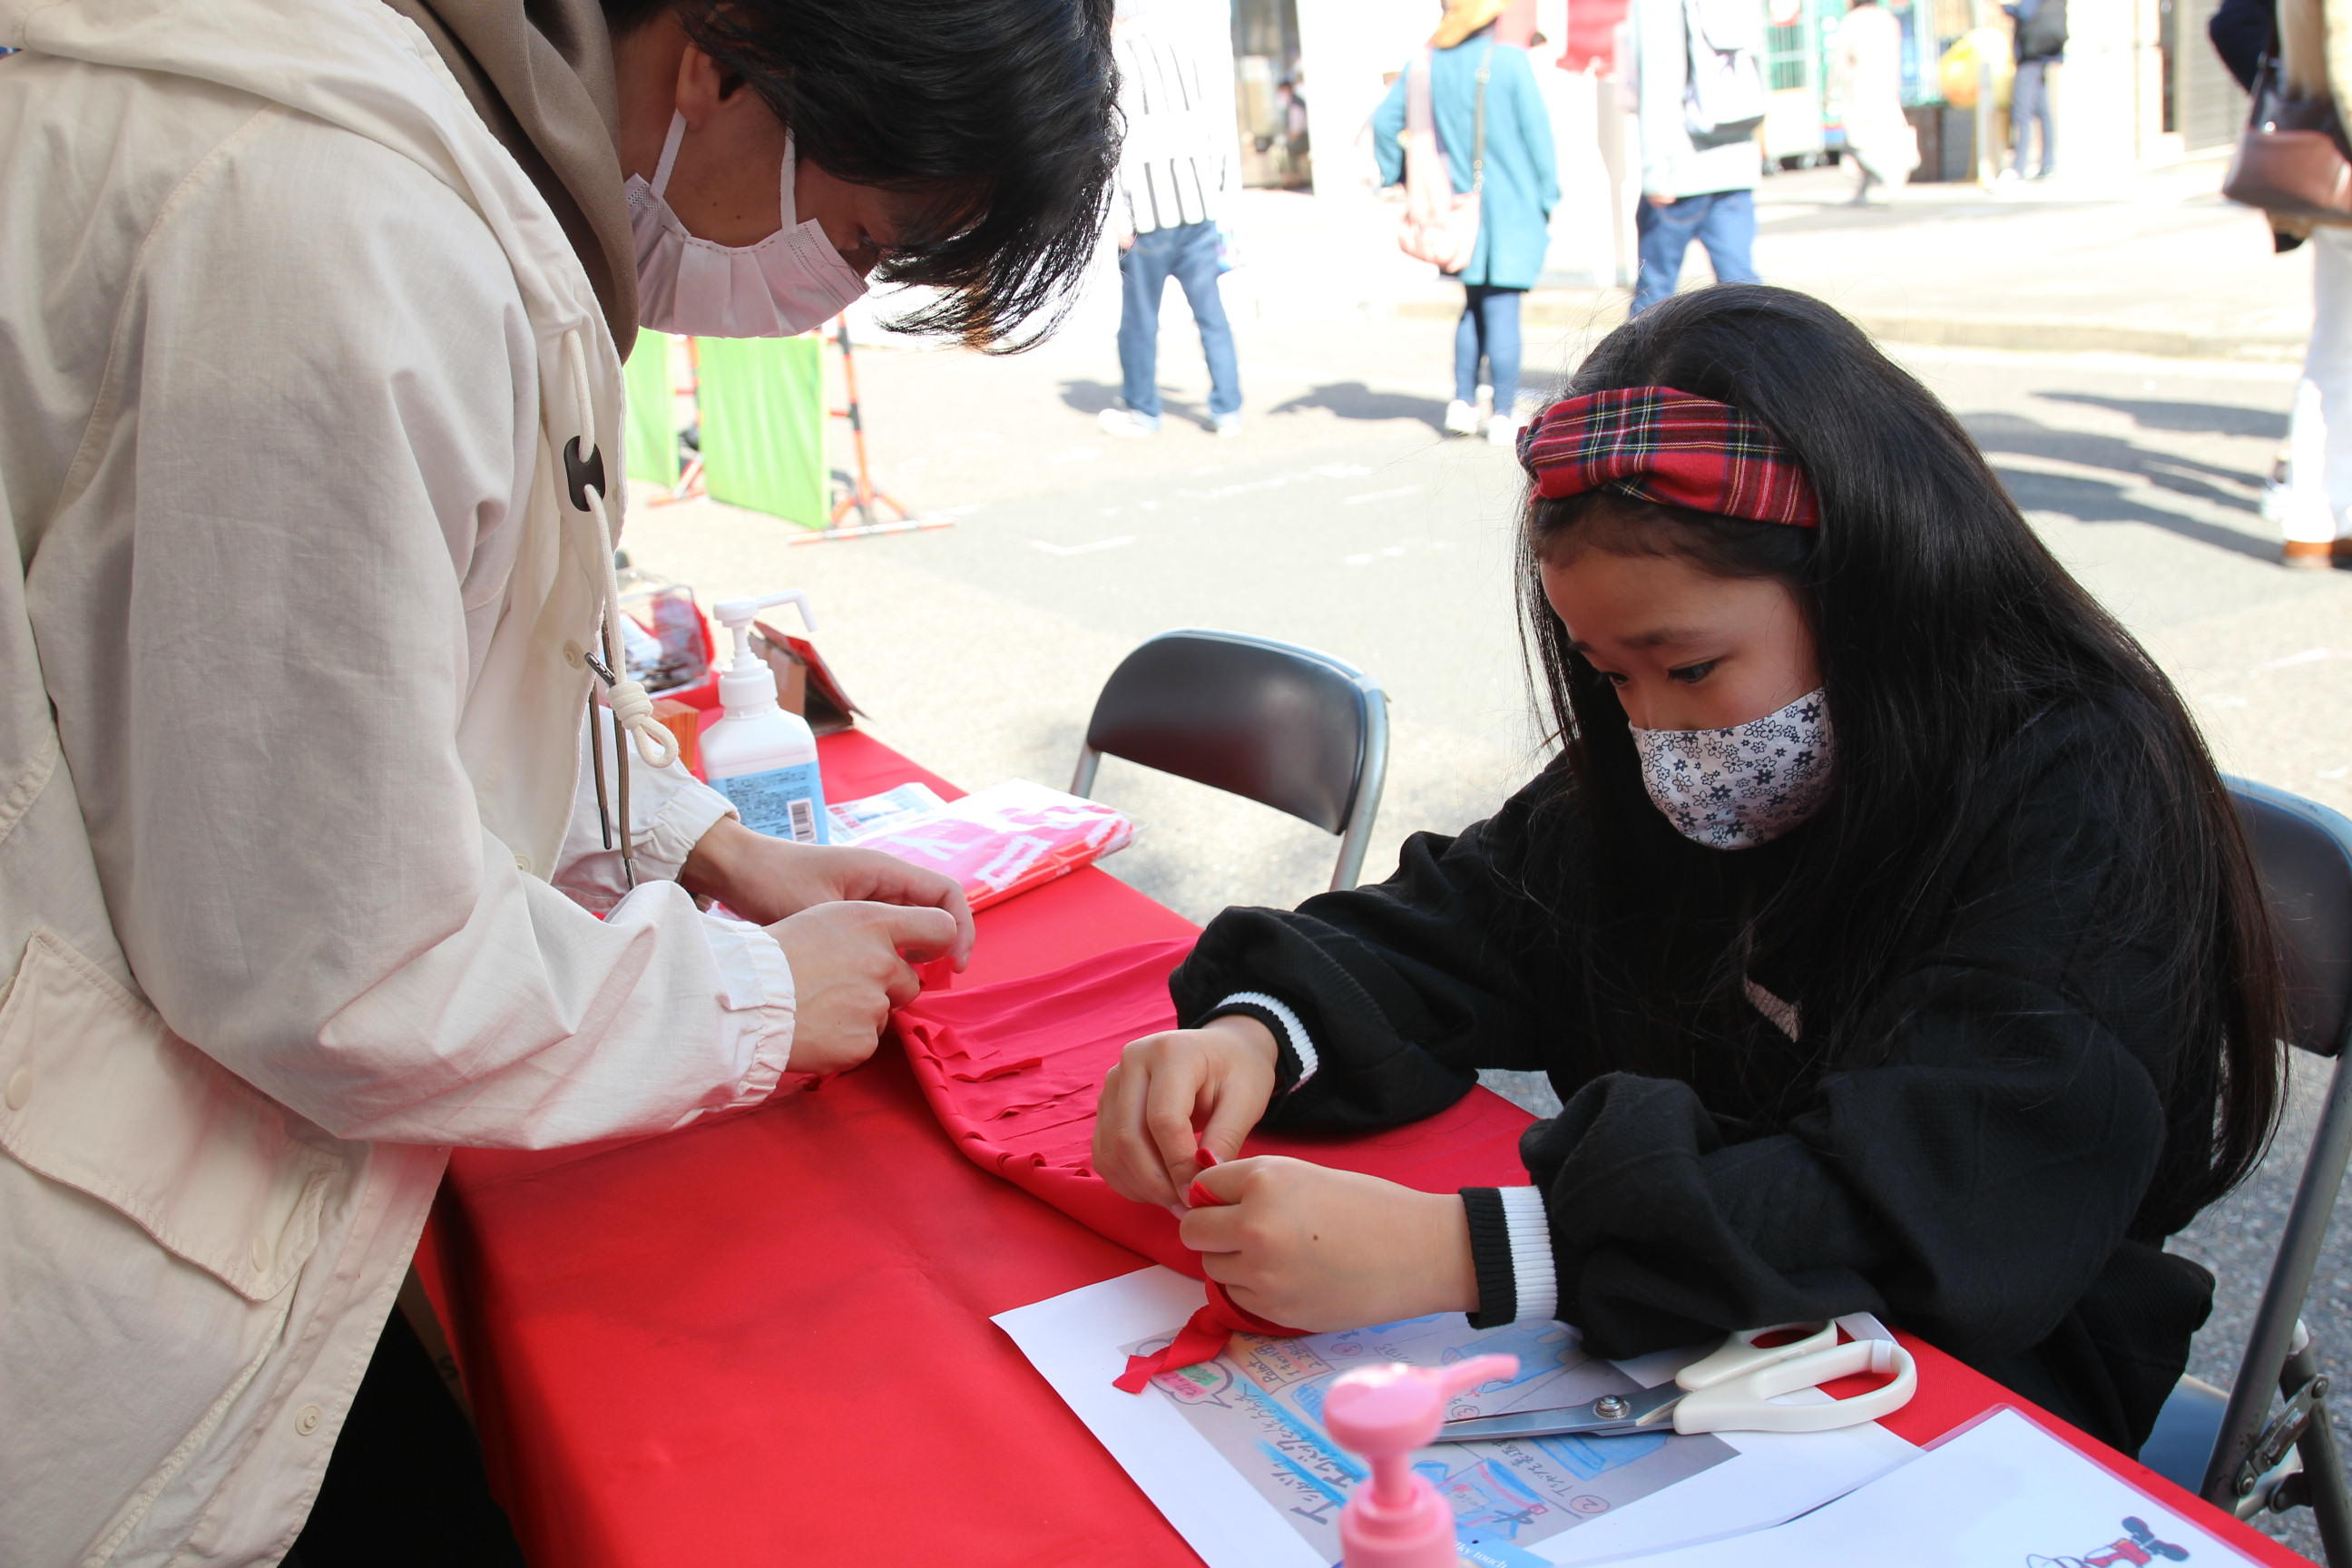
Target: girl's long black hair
{"x":1007,"y":108}
{"x":1943,"y":627}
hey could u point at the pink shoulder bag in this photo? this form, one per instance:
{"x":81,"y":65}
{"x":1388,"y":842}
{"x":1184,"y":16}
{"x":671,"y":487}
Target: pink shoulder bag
{"x":1441,"y":224}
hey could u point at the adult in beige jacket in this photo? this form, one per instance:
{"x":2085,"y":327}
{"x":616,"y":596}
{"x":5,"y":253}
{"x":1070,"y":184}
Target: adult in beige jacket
{"x":309,"y":350}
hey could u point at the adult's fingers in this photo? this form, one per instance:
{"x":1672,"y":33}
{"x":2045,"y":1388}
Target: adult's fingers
{"x":912,"y":886}
{"x":921,"y":934}
{"x":901,"y":985}
{"x":960,"y":907}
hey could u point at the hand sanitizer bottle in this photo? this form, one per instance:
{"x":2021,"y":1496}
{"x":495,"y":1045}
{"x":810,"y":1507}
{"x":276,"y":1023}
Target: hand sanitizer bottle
{"x":1396,"y":1519}
{"x":757,"y":755}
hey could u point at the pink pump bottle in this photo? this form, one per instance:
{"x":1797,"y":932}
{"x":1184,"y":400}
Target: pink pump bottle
{"x":1396,"y":1519}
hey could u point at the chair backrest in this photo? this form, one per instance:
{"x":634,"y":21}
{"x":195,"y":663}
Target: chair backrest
{"x":1273,"y":723}
{"x":2303,"y":853}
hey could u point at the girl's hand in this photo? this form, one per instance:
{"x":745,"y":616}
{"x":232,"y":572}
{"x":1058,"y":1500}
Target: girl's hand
{"x":1319,"y":1249}
{"x":1217,"y":1079}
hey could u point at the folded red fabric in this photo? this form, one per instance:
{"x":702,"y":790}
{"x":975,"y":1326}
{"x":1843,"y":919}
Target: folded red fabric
{"x":1012,"y":1071}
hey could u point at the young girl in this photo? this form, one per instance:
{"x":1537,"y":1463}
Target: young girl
{"x":1883,"y":924}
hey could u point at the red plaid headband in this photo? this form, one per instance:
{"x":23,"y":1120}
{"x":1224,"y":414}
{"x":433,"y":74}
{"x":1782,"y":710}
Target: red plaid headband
{"x":1654,"y":444}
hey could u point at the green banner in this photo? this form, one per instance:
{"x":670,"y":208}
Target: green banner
{"x":763,"y":418}
{"x":649,"y":439}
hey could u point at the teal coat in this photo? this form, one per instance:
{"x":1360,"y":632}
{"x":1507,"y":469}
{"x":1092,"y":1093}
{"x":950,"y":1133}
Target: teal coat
{"x":1522,"y":176}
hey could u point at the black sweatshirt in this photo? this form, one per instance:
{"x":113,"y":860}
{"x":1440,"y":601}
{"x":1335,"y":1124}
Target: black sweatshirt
{"x":1979,"y":1180}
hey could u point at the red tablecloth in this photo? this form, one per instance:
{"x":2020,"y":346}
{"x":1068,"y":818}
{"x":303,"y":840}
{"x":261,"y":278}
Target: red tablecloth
{"x":766,"y":1341}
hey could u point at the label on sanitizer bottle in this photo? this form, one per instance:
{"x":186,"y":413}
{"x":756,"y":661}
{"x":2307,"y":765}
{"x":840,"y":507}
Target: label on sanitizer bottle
{"x":784,"y":803}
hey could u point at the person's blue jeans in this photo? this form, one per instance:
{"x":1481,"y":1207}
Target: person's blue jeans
{"x":1489,"y":330}
{"x":1722,"y":221}
{"x":2029,"y":105}
{"x":1187,"y":253}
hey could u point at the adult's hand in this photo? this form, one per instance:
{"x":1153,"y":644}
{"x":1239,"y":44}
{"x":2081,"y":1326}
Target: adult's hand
{"x":852,"y":963}
{"x":768,"y":879}
{"x":1320,"y":1249}
{"x":1171,"y":1095}
{"x":1660,"y":201}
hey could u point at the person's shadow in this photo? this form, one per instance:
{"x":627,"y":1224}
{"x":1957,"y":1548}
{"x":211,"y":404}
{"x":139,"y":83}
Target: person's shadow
{"x":2088,"y":500}
{"x":2189,"y":418}
{"x":1091,"y":398}
{"x":1354,"y":400}
{"x":1347,"y":399}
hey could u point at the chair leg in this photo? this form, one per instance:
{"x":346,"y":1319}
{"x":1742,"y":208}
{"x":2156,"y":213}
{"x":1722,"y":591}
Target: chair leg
{"x":2323,"y":1460}
{"x":2276,"y":1322}
{"x":1083,"y":782}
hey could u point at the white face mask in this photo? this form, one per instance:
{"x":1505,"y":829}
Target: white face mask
{"x":790,"y":282}
{"x":1737,"y":788}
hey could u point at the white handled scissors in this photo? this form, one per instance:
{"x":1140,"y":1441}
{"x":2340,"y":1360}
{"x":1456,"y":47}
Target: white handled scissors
{"x":1732,"y":1389}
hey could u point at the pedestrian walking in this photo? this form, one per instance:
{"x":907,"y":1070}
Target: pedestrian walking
{"x":1175,"y":174}
{"x":1867,"y":81}
{"x":1700,"y":99}
{"x":2041,"y":43}
{"x":1478,"y":101}
{"x":2310,"y":492}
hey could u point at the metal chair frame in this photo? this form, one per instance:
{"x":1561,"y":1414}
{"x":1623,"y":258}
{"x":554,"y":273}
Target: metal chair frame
{"x":2246,"y":1470}
{"x":1371,"y":762}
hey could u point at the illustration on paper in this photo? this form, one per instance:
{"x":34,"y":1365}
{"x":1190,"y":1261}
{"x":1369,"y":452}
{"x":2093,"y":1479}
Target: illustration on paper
{"x":1260,"y":1405}
{"x":2135,"y":1548}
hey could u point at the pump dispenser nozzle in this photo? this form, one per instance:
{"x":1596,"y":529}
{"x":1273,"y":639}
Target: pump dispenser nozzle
{"x":747,"y":686}
{"x":1396,"y":1519}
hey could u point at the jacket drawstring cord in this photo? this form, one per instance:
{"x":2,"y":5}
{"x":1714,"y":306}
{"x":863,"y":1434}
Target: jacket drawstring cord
{"x":633,"y":709}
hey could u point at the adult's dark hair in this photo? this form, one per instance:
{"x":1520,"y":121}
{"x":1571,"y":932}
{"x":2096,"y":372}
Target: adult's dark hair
{"x":1006,"y":108}
{"x":1943,"y":627}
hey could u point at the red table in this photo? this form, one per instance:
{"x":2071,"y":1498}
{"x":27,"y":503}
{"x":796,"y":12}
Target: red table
{"x":766,"y":1341}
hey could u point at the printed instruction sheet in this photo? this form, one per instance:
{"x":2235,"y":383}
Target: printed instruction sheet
{"x":2006,"y":1492}
{"x":1233,"y":1453}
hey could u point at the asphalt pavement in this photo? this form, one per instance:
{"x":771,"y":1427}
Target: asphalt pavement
{"x":1341,"y":517}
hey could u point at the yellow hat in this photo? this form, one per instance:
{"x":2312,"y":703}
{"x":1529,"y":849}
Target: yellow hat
{"x":1463,"y":17}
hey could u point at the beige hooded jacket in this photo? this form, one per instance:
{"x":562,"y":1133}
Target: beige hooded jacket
{"x":291,"y":688}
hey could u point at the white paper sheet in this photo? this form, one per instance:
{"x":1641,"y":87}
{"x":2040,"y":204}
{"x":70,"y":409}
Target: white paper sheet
{"x":2004,"y":1493}
{"x":1076,"y":1341}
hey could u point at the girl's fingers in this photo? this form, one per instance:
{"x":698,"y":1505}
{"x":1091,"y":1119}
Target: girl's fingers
{"x":1124,"y":1156}
{"x":1231,"y":1117}
{"x":1168,"y":1104}
{"x":1224,"y":1180}
{"x":1224,"y":1268}
{"x":1212,"y":1230}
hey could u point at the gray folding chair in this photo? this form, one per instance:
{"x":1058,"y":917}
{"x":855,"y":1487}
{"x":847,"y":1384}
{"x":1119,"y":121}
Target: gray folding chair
{"x":2234,"y":1449}
{"x":1280,"y":725}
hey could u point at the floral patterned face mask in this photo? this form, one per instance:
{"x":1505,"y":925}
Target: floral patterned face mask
{"x":1737,"y":788}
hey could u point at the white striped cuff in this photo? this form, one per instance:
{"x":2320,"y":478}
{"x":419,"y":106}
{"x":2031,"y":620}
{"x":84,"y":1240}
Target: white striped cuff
{"x":1293,"y":1029}
{"x":1535,"y":1282}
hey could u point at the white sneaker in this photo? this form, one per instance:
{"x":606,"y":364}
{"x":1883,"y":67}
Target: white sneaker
{"x":1229,"y":423}
{"x":1461,"y":419}
{"x":1127,"y":422}
{"x":2277,"y":493}
{"x":1503,"y":432}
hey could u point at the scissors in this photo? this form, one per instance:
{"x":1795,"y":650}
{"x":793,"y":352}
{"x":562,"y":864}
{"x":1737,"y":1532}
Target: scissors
{"x":1731,"y":1389}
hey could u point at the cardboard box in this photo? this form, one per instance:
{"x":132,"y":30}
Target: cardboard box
{"x":805,"y":684}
